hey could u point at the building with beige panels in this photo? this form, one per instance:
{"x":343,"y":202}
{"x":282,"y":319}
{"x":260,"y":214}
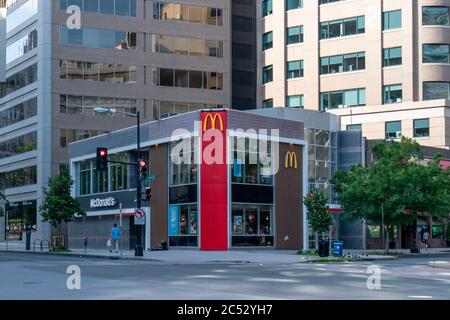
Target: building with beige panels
{"x":381,"y":64}
{"x":156,"y":57}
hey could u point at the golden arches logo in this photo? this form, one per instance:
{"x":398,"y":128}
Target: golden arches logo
{"x":213,"y":120}
{"x":291,"y":160}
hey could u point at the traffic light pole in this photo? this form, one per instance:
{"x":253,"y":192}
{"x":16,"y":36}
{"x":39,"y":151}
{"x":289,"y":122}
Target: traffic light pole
{"x":138,"y":252}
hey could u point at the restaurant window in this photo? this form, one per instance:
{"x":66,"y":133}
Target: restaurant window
{"x":183,"y":225}
{"x":252,"y":225}
{"x":248,"y":167}
{"x":182,"y":166}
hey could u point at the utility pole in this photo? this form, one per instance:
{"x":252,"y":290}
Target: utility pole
{"x":382,"y":226}
{"x":139,"y":252}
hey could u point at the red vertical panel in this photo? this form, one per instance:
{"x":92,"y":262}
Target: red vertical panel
{"x":214,"y":187}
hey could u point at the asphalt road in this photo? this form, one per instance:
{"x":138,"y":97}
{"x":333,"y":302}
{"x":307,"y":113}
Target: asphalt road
{"x":28,"y":276}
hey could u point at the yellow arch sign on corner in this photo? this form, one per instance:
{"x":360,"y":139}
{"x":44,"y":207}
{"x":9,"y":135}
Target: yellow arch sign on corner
{"x":291,"y":160}
{"x":210,"y":119}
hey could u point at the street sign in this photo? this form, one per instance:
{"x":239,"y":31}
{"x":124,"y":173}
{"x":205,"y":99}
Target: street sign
{"x":139,"y":216}
{"x":148,"y":180}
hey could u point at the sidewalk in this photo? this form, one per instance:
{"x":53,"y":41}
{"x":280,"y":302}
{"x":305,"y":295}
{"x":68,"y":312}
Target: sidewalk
{"x":258,"y":256}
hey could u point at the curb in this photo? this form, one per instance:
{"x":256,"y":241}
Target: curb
{"x":69,"y":254}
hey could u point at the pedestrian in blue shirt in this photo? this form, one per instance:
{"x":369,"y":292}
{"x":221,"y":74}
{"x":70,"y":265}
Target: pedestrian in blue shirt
{"x":115,"y":237}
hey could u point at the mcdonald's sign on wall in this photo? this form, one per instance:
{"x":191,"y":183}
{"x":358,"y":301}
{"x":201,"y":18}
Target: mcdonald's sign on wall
{"x":214,"y":188}
{"x":291,"y":160}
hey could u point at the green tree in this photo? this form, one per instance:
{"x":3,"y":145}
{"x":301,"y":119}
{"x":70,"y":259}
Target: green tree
{"x":58,"y":205}
{"x":319,"y":218}
{"x":399,"y":183}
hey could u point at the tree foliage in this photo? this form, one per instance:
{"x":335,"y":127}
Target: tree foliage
{"x":58,"y":204}
{"x":400,"y":181}
{"x":319,"y":218}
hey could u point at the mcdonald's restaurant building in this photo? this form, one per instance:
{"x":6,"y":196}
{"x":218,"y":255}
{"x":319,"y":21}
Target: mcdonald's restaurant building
{"x":243,"y":186}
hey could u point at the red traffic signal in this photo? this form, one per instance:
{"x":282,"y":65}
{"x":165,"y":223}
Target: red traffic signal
{"x":102,"y":159}
{"x":143,"y":168}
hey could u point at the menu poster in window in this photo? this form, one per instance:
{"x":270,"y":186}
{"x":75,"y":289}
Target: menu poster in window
{"x":173,"y":220}
{"x":237,"y":168}
{"x":193,"y":223}
{"x":237,"y":224}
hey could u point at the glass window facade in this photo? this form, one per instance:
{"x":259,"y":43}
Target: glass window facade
{"x":67,"y":136}
{"x":18,"y":145}
{"x":85,"y":104}
{"x":183,"y":225}
{"x":294,"y":35}
{"x":421,"y":128}
{"x":343,"y":63}
{"x":294,"y":69}
{"x":116,"y":178}
{"x":98,"y":38}
{"x":18,"y":178}
{"x":188,"y":79}
{"x":18,"y":112}
{"x":164,"y":109}
{"x":436,"y":53}
{"x":392,"y":93}
{"x":125,"y":8}
{"x":268,"y":103}
{"x":294,"y":4}
{"x":343,"y":99}
{"x":21,"y":14}
{"x":252,"y":225}
{"x":185,"y":13}
{"x":267,"y":7}
{"x":267,"y":41}
{"x":22,"y":46}
{"x":393,"y":130}
{"x":22,"y":216}
{"x":354,"y":127}
{"x":342,"y":27}
{"x":185,"y":172}
{"x":93,"y":71}
{"x":188,"y":46}
{"x":322,"y":160}
{"x":21,"y":79}
{"x":436,"y":90}
{"x":392,"y":57}
{"x":267,"y":74}
{"x":392,"y":20}
{"x":435,"y":16}
{"x":252,"y":161}
{"x":295,"y":101}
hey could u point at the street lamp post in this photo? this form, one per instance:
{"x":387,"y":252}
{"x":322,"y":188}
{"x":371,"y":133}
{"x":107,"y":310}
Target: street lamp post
{"x":138,"y":251}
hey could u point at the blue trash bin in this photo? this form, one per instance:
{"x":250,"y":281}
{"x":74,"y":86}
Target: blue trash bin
{"x":338,"y":248}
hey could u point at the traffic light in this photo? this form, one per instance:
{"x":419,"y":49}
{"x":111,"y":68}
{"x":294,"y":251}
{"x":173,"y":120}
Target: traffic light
{"x":143,"y":168}
{"x":102,"y":159}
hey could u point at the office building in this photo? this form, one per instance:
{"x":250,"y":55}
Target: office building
{"x":157,"y":57}
{"x":382,"y":65}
